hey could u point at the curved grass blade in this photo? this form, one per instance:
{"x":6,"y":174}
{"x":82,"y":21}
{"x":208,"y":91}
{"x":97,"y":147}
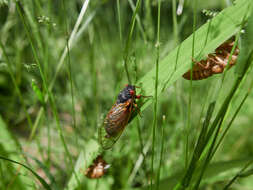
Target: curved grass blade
{"x":47,"y":172}
{"x":42,"y":181}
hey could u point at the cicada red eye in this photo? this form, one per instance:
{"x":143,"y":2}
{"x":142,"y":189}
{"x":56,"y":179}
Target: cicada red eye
{"x":132,"y":92}
{"x":118,"y":117}
{"x":215,"y":63}
{"x":97,"y":169}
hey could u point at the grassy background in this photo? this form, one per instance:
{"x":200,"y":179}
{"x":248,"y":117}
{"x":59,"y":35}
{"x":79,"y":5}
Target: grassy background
{"x":53,"y":133}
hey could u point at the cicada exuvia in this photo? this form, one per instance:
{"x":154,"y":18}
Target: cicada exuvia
{"x":97,"y":169}
{"x":215,"y":62}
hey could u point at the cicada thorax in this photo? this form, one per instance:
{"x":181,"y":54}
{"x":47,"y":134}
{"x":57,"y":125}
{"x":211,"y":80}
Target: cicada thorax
{"x":215,"y":63}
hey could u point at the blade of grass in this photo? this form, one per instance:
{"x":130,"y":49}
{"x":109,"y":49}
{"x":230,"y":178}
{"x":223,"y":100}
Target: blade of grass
{"x":154,"y":125}
{"x":161,"y":156}
{"x":119,"y":21}
{"x":141,"y":145}
{"x":232,"y":120}
{"x":71,"y":84}
{"x":138,"y":21}
{"x":237,"y":175}
{"x":247,"y":173}
{"x":188,"y":127}
{"x":215,"y":127}
{"x":41,"y":180}
{"x":70,"y":70}
{"x":148,"y":22}
{"x":138,"y":163}
{"x":175,"y":25}
{"x":198,"y":150}
{"x":51,"y":178}
{"x":129,"y":39}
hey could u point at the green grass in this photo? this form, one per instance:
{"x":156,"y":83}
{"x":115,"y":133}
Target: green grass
{"x":62,"y":65}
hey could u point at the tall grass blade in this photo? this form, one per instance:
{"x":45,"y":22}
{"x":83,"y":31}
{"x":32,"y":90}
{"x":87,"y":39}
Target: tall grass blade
{"x":129,"y":39}
{"x":119,"y":21}
{"x":138,"y":21}
{"x":219,"y":119}
{"x":154,"y":125}
{"x":198,"y":148}
{"x":239,"y":174}
{"x":175,"y":24}
{"x":188,"y":127}
{"x":41,"y":180}
{"x":161,"y":156}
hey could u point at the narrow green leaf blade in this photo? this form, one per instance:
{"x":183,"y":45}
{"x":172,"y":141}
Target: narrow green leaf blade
{"x":222,"y":27}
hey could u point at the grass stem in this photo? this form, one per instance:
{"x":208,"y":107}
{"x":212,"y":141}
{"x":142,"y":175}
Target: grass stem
{"x":155,"y":94}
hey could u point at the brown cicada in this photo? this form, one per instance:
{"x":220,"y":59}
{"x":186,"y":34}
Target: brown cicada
{"x":215,"y":62}
{"x":118,"y":116}
{"x":97,"y":169}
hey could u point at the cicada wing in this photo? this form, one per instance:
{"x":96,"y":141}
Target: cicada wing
{"x":107,"y":142}
{"x":115,"y":122}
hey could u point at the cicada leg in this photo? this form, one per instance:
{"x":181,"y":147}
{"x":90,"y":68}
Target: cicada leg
{"x":138,"y":109}
{"x":217,"y":69}
{"x":201,"y":65}
{"x":136,"y":106}
{"x":204,"y":66}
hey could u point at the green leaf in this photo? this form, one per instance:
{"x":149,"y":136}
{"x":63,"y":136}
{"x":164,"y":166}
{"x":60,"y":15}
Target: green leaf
{"x":218,"y":29}
{"x":246,"y":44}
{"x":42,"y":181}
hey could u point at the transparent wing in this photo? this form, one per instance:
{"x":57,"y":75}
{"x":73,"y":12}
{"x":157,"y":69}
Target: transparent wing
{"x":116,"y":120}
